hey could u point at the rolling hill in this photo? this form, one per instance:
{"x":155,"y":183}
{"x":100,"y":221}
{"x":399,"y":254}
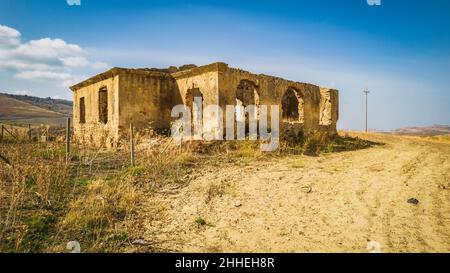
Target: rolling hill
{"x":27,"y":109}
{"x":57,"y":105}
{"x":432,"y":130}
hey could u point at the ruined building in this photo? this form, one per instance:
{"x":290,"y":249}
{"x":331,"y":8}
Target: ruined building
{"x":107,"y":103}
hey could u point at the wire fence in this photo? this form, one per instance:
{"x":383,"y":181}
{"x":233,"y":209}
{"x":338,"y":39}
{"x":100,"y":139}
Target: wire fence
{"x":93,"y":160}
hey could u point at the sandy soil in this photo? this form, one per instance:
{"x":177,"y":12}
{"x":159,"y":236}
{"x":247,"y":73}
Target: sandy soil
{"x":332,"y":203}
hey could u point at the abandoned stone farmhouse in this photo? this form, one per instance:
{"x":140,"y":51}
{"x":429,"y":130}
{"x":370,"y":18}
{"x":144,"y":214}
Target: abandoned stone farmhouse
{"x":106,"y":104}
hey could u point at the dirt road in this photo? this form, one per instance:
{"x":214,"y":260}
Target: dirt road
{"x":333,"y":203}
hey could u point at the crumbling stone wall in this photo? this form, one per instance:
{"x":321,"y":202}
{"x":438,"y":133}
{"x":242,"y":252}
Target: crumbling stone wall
{"x":91,"y":130}
{"x":143,"y":97}
{"x":199,"y":82}
{"x":329,"y":108}
{"x":146,"y":97}
{"x":271,"y":91}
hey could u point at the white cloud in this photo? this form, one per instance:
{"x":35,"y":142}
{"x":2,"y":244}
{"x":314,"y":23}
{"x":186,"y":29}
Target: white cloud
{"x":46,"y":58}
{"x":75,"y":61}
{"x":82,"y":62}
{"x":22,"y":92}
{"x":24,"y":65}
{"x":47,"y":49}
{"x":9,"y":37}
{"x":66,"y":79}
{"x":37,"y":74}
{"x":99,"y":65}
{"x":73,"y":80}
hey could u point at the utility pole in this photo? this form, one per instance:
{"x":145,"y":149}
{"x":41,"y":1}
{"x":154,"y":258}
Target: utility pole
{"x":367,"y":95}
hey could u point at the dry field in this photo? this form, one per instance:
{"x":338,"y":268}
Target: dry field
{"x":11,"y":108}
{"x":230,"y":197}
{"x":336,"y":202}
{"x":14,"y":111}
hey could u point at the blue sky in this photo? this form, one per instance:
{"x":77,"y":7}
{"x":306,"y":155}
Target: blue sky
{"x":399,"y":50}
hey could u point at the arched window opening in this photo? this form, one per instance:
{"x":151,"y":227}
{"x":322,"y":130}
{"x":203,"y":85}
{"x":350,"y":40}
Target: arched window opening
{"x":247,"y":95}
{"x":194,"y":101}
{"x":292,"y":105}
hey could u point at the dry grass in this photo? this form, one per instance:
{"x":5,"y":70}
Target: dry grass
{"x":33,"y":190}
{"x":97,"y":218}
{"x":45,"y":203}
{"x":96,"y":199}
{"x":440,"y":139}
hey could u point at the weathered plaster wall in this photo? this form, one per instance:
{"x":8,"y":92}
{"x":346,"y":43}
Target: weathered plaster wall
{"x":146,"y":99}
{"x":270,"y":92}
{"x":94,"y":132}
{"x":204,"y":80}
{"x":329,"y":109}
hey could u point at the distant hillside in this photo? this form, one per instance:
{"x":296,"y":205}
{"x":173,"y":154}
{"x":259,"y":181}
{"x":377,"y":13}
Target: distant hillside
{"x":56,"y":105}
{"x":13,"y":110}
{"x":433,"y":130}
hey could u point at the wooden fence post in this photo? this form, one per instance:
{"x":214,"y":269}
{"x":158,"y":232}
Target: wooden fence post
{"x":181,"y":131}
{"x":39,"y":136}
{"x":29,"y":132}
{"x":68,"y":141}
{"x":2,"y":133}
{"x":132,"y":144}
